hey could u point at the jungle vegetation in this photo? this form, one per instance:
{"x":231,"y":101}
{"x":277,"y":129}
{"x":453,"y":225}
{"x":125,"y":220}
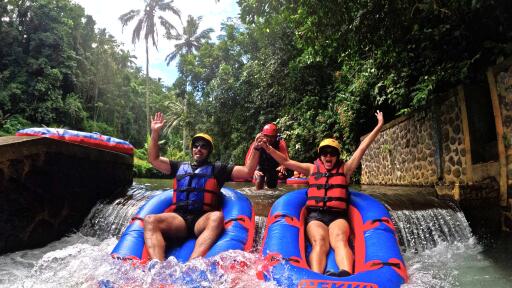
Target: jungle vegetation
{"x":316,"y":68}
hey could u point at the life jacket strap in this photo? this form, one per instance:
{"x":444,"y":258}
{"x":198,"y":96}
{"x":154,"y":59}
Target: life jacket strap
{"x":328,"y":186}
{"x":319,"y":175}
{"x":319,"y":199}
{"x":181,"y":176}
{"x":190,"y":203}
{"x":194,"y":189}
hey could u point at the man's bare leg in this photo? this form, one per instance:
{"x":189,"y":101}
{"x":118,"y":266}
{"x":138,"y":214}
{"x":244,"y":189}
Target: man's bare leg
{"x":157,"y":227}
{"x":208,"y":228}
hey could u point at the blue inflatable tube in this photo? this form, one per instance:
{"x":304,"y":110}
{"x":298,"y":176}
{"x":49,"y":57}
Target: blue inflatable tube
{"x":95,"y":140}
{"x":238,"y":232}
{"x":377,"y":258}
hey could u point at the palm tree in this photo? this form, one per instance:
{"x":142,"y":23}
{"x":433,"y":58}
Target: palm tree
{"x":191,"y":41}
{"x":147,"y":24}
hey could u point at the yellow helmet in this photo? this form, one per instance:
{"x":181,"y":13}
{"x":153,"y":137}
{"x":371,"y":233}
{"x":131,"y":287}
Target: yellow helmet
{"x":202,"y":136}
{"x":330,"y":142}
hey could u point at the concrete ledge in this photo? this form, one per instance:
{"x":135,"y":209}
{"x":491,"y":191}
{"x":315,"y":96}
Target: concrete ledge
{"x":48,"y":187}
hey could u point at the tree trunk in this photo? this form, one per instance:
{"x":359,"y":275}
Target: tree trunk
{"x":185,"y":120}
{"x":147,"y":89}
{"x":94,"y":107}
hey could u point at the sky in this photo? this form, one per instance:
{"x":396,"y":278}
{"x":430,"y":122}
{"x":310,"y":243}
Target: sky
{"x":107,"y":12}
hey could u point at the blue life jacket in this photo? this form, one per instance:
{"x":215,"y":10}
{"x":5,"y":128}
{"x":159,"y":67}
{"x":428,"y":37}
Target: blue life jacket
{"x":196,"y":191}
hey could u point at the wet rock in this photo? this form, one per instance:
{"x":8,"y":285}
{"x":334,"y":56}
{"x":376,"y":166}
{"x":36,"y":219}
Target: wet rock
{"x":456,"y":172}
{"x":446,"y":149}
{"x":448,"y":170}
{"x":456,"y":129}
{"x":451,"y":160}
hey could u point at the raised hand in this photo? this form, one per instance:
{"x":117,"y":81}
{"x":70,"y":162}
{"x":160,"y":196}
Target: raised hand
{"x":260,"y":141}
{"x":380,"y":118}
{"x":281,"y":169}
{"x":258,"y":174}
{"x":157,"y":122}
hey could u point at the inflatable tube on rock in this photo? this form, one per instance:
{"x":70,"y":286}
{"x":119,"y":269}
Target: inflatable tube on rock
{"x":95,"y":140}
{"x":238,"y":232}
{"x":377,"y":258}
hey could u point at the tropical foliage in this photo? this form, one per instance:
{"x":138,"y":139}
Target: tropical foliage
{"x":316,"y":68}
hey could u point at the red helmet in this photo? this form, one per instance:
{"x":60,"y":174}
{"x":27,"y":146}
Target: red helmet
{"x":270,"y":129}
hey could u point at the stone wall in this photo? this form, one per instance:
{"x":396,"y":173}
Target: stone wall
{"x":454,"y":152}
{"x":504,"y":91}
{"x":405,"y":151}
{"x":403,"y":154}
{"x":48,"y":187}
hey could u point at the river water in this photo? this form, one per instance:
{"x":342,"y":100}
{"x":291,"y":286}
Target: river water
{"x":438,"y":246}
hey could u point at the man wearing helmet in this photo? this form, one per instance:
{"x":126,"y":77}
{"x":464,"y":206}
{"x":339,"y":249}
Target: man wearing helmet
{"x":196,"y":201}
{"x":268,"y":168}
{"x":327,"y":199}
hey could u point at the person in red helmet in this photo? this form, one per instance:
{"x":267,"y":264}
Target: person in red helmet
{"x":268,"y":170}
{"x":196,"y":197}
{"x":328,"y":199}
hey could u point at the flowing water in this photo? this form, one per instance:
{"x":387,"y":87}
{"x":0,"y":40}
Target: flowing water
{"x":438,"y":246}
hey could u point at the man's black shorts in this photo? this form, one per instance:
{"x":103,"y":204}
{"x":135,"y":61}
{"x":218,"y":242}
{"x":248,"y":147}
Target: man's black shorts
{"x":190,"y":220}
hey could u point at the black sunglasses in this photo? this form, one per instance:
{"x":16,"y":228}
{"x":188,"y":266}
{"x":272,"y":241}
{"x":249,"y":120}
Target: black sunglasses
{"x":200,"y":146}
{"x":330,"y":152}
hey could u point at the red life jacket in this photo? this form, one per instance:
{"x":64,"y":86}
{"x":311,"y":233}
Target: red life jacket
{"x":196,"y":190}
{"x":327,"y":189}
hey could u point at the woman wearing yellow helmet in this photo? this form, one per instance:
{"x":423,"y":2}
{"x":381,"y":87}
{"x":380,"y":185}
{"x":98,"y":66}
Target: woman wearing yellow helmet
{"x":327,"y":199}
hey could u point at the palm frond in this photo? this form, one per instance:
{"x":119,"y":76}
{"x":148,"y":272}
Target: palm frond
{"x":171,"y":57}
{"x":204,"y":35}
{"x":168,"y":6}
{"x":137,"y":30}
{"x":168,"y":27}
{"x":127,"y":17}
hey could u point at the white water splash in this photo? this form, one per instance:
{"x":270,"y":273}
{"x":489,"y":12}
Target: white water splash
{"x":81,"y":261}
{"x":440,"y":266}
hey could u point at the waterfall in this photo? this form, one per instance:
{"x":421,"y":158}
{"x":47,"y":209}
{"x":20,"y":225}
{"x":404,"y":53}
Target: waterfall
{"x":420,"y":230}
{"x":261,"y":223}
{"x":109,"y":219}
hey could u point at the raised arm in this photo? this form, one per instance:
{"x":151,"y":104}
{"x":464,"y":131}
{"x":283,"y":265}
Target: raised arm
{"x":160,"y":163}
{"x":355,"y":160}
{"x":251,"y":160}
{"x":304,"y":168}
{"x":283,"y":149}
